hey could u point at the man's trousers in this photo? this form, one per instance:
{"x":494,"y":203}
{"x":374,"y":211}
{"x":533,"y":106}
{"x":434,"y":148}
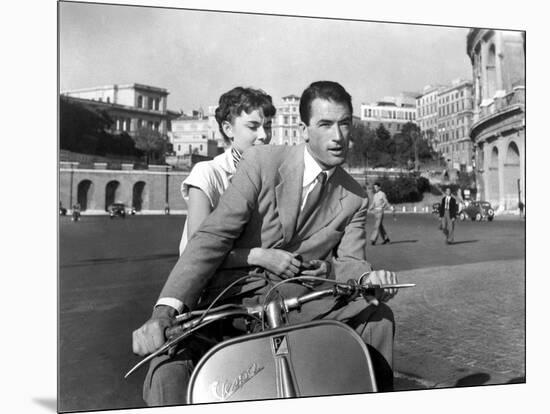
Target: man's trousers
{"x":379,"y":229}
{"x":448,"y":227}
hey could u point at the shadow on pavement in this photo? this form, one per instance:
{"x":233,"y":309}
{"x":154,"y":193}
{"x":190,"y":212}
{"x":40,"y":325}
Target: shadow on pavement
{"x":474,"y":379}
{"x":49,"y":403}
{"x":112,"y":260}
{"x":465,"y":241}
{"x":403,"y":241}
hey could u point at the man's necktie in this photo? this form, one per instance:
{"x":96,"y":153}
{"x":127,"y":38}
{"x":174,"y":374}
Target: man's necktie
{"x":447,"y":203}
{"x":313,"y":199}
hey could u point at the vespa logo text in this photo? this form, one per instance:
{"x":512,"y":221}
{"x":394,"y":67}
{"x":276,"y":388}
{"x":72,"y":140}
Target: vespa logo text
{"x":223,"y":390}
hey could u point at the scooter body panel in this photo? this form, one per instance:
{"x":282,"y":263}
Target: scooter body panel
{"x":310,"y":359}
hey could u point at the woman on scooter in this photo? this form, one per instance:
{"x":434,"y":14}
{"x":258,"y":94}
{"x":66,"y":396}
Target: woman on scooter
{"x":244,"y":117}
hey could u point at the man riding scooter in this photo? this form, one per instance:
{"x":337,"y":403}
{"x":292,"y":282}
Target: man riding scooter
{"x":293,"y":199}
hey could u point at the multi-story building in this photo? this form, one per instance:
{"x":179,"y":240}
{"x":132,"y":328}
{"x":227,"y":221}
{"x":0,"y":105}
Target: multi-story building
{"x":214,"y":129}
{"x":131,"y":107}
{"x":427,"y":113}
{"x":498,"y":129}
{"x":454,"y":120}
{"x":285,"y":127}
{"x":391,"y":112}
{"x":192,"y":134}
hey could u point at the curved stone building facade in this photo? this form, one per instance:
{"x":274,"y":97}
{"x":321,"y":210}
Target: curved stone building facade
{"x":498,"y":128}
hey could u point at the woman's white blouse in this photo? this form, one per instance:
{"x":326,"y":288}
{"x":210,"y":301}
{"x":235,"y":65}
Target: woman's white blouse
{"x":213,"y":178}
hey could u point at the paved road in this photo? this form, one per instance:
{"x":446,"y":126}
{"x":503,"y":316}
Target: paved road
{"x":462,"y":325}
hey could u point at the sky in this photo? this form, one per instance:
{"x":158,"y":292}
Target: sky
{"x":198,"y":55}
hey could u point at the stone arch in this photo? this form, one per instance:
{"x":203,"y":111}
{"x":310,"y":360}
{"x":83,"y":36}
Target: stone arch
{"x":512,"y":176}
{"x":84,"y":194}
{"x":112,"y":193}
{"x":493,"y":193}
{"x":138,"y":195}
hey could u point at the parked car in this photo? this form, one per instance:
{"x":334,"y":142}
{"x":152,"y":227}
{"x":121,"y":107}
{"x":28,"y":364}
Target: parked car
{"x":62,"y":210}
{"x":117,"y":209}
{"x":477,"y":211}
{"x":435,"y":208}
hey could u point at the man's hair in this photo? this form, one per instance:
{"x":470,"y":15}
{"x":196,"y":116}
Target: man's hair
{"x":327,"y":90}
{"x":239,"y":99}
{"x":378,"y":184}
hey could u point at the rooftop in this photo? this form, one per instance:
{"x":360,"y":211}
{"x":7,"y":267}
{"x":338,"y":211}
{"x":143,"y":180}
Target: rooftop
{"x":115,"y":86}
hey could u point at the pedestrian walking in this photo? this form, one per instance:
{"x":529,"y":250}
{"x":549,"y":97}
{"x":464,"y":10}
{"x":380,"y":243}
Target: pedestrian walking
{"x":379,"y":204}
{"x":448,"y":209}
{"x":76,"y":212}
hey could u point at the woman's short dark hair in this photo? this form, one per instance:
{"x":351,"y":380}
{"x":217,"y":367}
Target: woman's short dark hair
{"x":330,"y":91}
{"x":239,"y":99}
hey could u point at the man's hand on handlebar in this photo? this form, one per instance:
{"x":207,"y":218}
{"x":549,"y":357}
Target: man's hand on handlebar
{"x":150,"y":336}
{"x":377,"y":278}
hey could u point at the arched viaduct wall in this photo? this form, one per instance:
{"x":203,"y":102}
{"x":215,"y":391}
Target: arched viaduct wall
{"x":156,"y":188}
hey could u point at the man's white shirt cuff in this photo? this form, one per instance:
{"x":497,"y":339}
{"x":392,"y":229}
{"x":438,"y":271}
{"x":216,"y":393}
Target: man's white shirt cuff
{"x":172,"y":302}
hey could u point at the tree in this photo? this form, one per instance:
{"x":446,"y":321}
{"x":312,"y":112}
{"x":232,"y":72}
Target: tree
{"x":383,"y":148}
{"x":82,"y":128}
{"x":360,"y":147}
{"x":151,"y":142}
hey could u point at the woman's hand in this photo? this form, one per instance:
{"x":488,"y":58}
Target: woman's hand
{"x":279,"y":262}
{"x":318,"y":268}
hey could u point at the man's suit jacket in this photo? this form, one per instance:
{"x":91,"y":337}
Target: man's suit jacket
{"x":453,"y":207}
{"x":260,"y":209}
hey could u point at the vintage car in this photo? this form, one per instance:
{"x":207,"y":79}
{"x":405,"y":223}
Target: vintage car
{"x":62,"y":210}
{"x":117,"y":209}
{"x":435,"y":209}
{"x":477,"y":211}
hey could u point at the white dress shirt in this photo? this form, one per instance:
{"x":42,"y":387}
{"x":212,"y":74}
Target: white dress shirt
{"x":311,"y":171}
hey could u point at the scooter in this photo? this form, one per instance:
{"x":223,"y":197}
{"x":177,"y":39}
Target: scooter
{"x":322,"y":357}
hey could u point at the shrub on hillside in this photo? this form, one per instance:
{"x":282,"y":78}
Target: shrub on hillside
{"x":405,"y":188}
{"x":423,"y":185}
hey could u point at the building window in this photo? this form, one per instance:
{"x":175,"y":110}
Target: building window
{"x":140,"y":101}
{"x":179,"y":147}
{"x":157,"y":124}
{"x":200,"y":147}
{"x":285,"y":120}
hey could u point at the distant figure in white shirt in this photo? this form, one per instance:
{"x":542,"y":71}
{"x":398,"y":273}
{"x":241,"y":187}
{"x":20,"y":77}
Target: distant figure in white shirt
{"x":379,"y":204}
